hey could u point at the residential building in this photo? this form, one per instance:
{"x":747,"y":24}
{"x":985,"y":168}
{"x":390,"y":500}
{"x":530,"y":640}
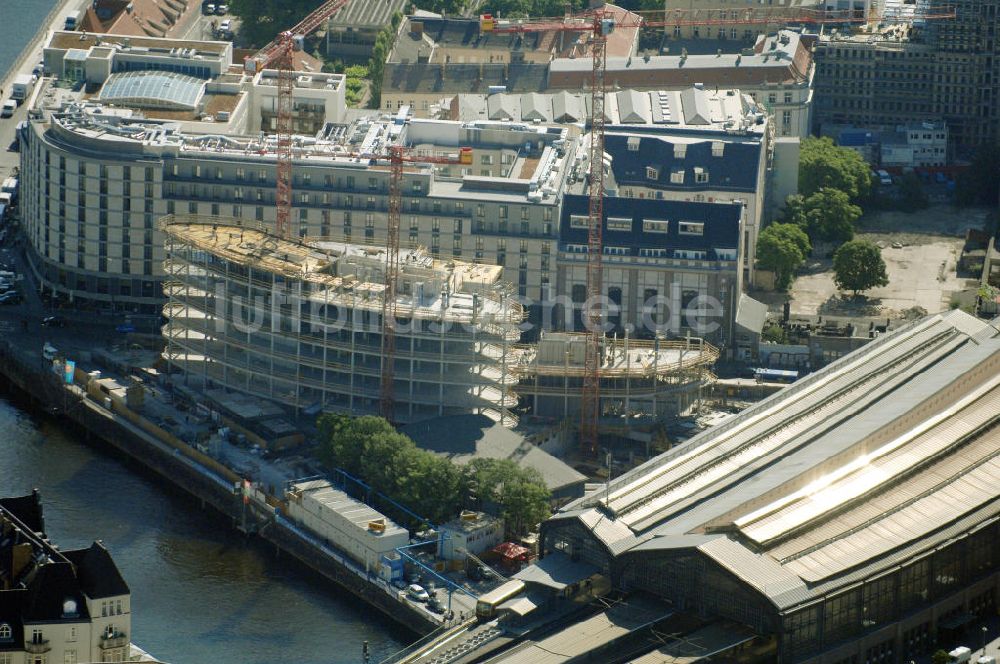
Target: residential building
{"x":57,"y":605}
{"x":943,"y":70}
{"x":851,"y":517}
{"x":777,"y":71}
{"x":757,"y":18}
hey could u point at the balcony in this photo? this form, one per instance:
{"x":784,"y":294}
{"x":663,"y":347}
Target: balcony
{"x":37,"y":646}
{"x":113,"y":640}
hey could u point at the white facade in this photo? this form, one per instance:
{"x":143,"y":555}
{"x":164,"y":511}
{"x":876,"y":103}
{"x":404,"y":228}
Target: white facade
{"x":915,"y":146}
{"x":351,"y":526}
{"x":472,"y":532}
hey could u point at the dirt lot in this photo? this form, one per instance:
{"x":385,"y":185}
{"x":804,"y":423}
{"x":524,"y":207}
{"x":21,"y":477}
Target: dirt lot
{"x":922,"y":272}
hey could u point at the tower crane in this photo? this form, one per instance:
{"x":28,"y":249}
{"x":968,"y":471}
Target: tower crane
{"x":278,"y":54}
{"x":397,"y":157}
{"x":598,"y":24}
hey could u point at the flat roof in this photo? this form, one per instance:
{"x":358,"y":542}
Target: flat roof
{"x":83,"y":40}
{"x":352,"y":510}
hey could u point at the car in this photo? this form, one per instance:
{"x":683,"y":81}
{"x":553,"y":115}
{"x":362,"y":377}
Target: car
{"x":54,"y":321}
{"x":208,"y":8}
{"x":417,"y":593}
{"x":436,"y":605}
{"x":226,"y":27}
{"x":9,"y":106}
{"x":222,"y":9}
{"x":11,"y":297}
{"x":897,"y":245}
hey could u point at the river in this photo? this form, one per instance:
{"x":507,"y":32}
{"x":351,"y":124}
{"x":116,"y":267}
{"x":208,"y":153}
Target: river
{"x":201,"y":592}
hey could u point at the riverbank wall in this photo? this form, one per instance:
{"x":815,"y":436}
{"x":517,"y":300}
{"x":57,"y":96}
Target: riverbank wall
{"x":182,"y":466}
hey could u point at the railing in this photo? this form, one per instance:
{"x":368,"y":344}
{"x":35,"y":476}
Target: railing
{"x":37,"y":646}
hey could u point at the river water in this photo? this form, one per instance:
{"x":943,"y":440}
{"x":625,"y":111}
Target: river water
{"x":201,"y":593}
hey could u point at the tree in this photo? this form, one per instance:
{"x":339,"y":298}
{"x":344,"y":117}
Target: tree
{"x":432,"y":486}
{"x":858,"y":266}
{"x":830,"y":216}
{"x":940,"y":657}
{"x":912,"y":196}
{"x":775,"y":334}
{"x":517,"y":494}
{"x":823,"y":164}
{"x":262,"y":20}
{"x":980,"y":183}
{"x":384,"y":41}
{"x":782,"y":248}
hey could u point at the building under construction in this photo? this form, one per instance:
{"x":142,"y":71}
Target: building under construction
{"x":639,"y":378}
{"x":299,"y":322}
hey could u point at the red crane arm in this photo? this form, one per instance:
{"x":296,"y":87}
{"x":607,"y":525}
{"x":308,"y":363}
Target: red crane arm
{"x":267,"y":55}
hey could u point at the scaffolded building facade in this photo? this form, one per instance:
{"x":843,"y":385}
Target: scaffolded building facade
{"x":300,"y":323}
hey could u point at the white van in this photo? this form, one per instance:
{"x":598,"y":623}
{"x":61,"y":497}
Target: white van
{"x":883,"y":177}
{"x":9,"y":106}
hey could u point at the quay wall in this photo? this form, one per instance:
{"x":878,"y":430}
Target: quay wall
{"x":193,"y":472}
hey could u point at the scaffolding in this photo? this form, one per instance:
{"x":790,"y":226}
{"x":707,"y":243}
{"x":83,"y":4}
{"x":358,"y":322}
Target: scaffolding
{"x":299,"y":323}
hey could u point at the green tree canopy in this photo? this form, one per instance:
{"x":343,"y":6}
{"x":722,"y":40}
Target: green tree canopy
{"x":830,"y":216}
{"x":262,"y":20}
{"x":858,"y":266}
{"x":432,"y":486}
{"x":823,"y":164}
{"x":980,"y":183}
{"x":782,"y":248}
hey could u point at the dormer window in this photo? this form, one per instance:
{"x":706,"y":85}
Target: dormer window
{"x":700,"y":176}
{"x":652,"y":173}
{"x":6,"y":633}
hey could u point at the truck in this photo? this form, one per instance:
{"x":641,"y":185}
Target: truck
{"x":21,"y":87}
{"x":72,"y":20}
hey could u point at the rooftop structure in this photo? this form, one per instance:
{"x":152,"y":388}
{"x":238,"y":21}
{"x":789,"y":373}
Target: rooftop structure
{"x":861,"y":494}
{"x":693,"y":108}
{"x":55,"y":605}
{"x":776,"y":70}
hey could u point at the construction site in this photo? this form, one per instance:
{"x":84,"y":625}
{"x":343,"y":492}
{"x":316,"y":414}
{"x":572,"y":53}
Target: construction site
{"x":299,"y":322}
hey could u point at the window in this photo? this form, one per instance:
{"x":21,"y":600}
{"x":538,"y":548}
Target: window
{"x":652,"y":173}
{"x":619,"y":224}
{"x":655,"y":226}
{"x":69,"y":657}
{"x":616,"y":251}
{"x":680,"y":150}
{"x":677,"y":176}
{"x":691,"y":228}
{"x":633,"y":143}
{"x":718,"y":148}
{"x":788,"y":97}
{"x":6,"y":632}
{"x":700,"y":176}
{"x":486,"y":160}
{"x":503,"y":211}
{"x":646,"y":252}
{"x":579,"y":221}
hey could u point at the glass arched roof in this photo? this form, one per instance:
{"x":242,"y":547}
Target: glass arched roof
{"x":154,"y":89}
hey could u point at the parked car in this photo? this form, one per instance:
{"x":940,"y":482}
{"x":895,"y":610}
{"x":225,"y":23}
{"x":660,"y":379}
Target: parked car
{"x":54,"y":321}
{"x":226,"y":27}
{"x":436,"y":605}
{"x":208,"y":8}
{"x":417,"y":593}
{"x":222,"y":9}
{"x":11,"y":297}
{"x":9,"y":106}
